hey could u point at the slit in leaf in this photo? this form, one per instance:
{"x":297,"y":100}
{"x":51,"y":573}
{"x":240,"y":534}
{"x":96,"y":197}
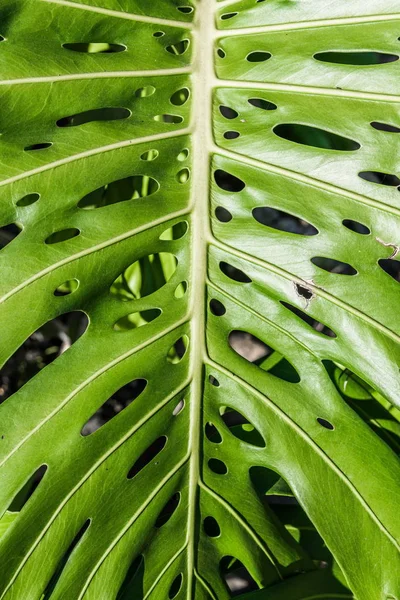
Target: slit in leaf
{"x":211,"y":527}
{"x":356,"y":227}
{"x":176,"y":587}
{"x":234,"y":273}
{"x":380,"y":178}
{"x":137,"y":319}
{"x":168,"y":118}
{"x":26,"y":492}
{"x":133,"y":580}
{"x":241,"y":427}
{"x":62,"y":236}
{"x":361,"y":57}
{"x":168,"y":510}
{"x":283,"y":221}
{"x":317,"y":325}
{"x":228,"y":113}
{"x":120,"y":399}
{"x":385,"y":127}
{"x":40,"y":146}
{"x":217,"y":466}
{"x":94,"y":47}
{"x":148,"y":455}
{"x":308,"y":135}
{"x":178,"y":350}
{"x":262,"y":103}
{"x":63,"y":562}
{"x":97,"y":114}
{"x":122,"y":190}
{"x":333,"y":266}
{"x":228,"y":182}
{"x":67,"y":288}
{"x":212,"y":433}
{"x":28,"y":200}
{"x":391,"y":267}
{"x":9,"y":233}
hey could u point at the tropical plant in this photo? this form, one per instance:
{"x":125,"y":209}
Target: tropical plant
{"x":211,"y":189}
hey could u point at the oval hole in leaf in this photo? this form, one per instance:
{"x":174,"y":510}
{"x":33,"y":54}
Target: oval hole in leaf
{"x":181,"y":290}
{"x":217,"y":466}
{"x":227,"y":16}
{"x":137,"y":319}
{"x":356,"y":227}
{"x":228,"y":182}
{"x":179,"y":408}
{"x":217,"y":308}
{"x":178,"y":48}
{"x":257,"y":352}
{"x":145,"y":276}
{"x":158,"y":34}
{"x":144,"y":92}
{"x":228,"y":113}
{"x":175,"y":587}
{"x":308,"y":135}
{"x":283,"y":221}
{"x":149,"y":155}
{"x":380,"y":178}
{"x":212,"y":433}
{"x":213,"y":381}
{"x":333,"y":266}
{"x":237,"y":578}
{"x":40,"y":349}
{"x":231,"y":135}
{"x":168,"y":510}
{"x":258,"y":56}
{"x":98,"y":114}
{"x":183,"y":176}
{"x":63,"y":562}
{"x":385,"y":127}
{"x":325,"y":423}
{"x":262,"y":103}
{"x":27,"y":490}
{"x":176,"y":232}
{"x":62,"y":236}
{"x":67,"y":288}
{"x":241,"y":427}
{"x":28,"y":200}
{"x":178,"y":350}
{"x":183,"y":155}
{"x":9,"y":233}
{"x":180,"y":97}
{"x":41,"y":146}
{"x":223,"y":215}
{"x":234,"y":273}
{"x":317,"y":325}
{"x":361,"y":57}
{"x":148,"y":455}
{"x":95,"y":47}
{"x":221,"y":53}
{"x":391,"y":267}
{"x":122,"y":190}
{"x":119,"y":400}
{"x":267,"y":482}
{"x":167,"y":118}
{"x":186,"y":10}
{"x":211,"y":527}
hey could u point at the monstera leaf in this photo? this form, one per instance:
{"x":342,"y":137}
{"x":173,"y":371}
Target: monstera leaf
{"x":210,"y":191}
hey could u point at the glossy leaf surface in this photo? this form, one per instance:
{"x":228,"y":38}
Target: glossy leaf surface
{"x":215,"y":185}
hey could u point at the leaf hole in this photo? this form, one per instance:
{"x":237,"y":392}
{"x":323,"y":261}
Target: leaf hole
{"x":325,"y":423}
{"x":307,"y":135}
{"x":180,"y":97}
{"x":41,"y":146}
{"x":356,"y":227}
{"x":258,"y":56}
{"x":167,"y":118}
{"x":221,"y":53}
{"x":62,"y":236}
{"x":217,"y":308}
{"x":176,"y":232}
{"x":133,"y":578}
{"x":237,"y":578}
{"x":262,"y":103}
{"x":356,"y":58}
{"x":145,"y":92}
{"x":175,"y":587}
{"x":137,"y":319}
{"x":183,"y":155}
{"x":212,"y":433}
{"x":283,"y":221}
{"x":316,"y":325}
{"x":119,"y":400}
{"x":145,"y":276}
{"x":227,"y":16}
{"x":179,"y":48}
{"x":217,"y":466}
{"x":211,"y":527}
{"x":67,"y":288}
{"x":158,"y":34}
{"x":98,"y":114}
{"x":333,"y":266}
{"x":241,"y":427}
{"x":380,"y":178}
{"x":122,"y":190}
{"x":9,"y":233}
{"x":213,"y":381}
{"x":168,"y":510}
{"x":150,"y":155}
{"x":28,"y":200}
{"x":183,"y":176}
{"x":391,"y":267}
{"x":228,"y":182}
{"x":178,"y":408}
{"x":181,"y":290}
{"x":178,"y":350}
{"x":385,"y":127}
{"x":95,"y":47}
{"x":228,"y":113}
{"x":234,"y":273}
{"x":148,"y":456}
{"x":223,"y":215}
{"x":186,"y":10}
{"x":27,"y":490}
{"x":231,"y":135}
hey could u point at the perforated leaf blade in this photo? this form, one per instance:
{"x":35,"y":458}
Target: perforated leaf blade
{"x":208,"y":193}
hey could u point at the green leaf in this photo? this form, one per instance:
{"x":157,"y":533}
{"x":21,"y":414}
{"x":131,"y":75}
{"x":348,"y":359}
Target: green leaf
{"x":199,"y":213}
